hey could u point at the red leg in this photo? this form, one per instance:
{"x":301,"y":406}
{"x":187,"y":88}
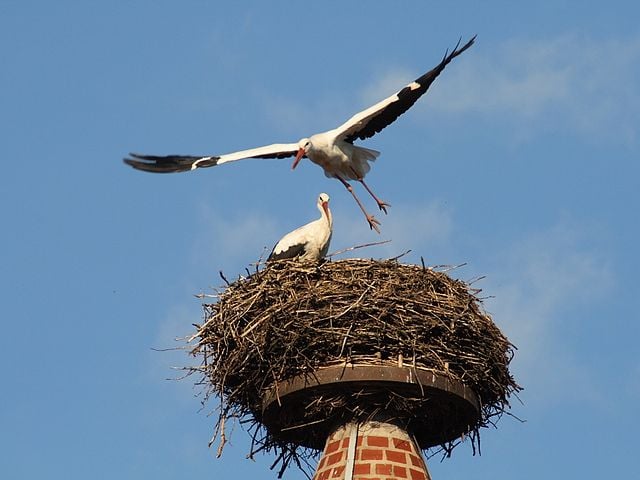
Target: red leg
{"x":373,"y":223}
{"x":381,"y":205}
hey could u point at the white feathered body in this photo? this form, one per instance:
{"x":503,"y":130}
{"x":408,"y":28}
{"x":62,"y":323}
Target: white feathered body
{"x":339,"y":158}
{"x":309,"y":242}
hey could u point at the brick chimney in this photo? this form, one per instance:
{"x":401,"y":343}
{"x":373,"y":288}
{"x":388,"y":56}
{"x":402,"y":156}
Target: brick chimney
{"x":371,"y":451}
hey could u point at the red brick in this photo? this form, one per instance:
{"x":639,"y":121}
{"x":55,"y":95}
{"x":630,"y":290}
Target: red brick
{"x":334,"y":458}
{"x":416,"y":460}
{"x":399,"y":472}
{"x":371,"y":454}
{"x":337,"y":471}
{"x":324,"y":475}
{"x":359,"y":441}
{"x":417,"y":475}
{"x":402,"y":444}
{"x":383,"y":469}
{"x":375,"y":441}
{"x":398,"y":457}
{"x":361,"y":469}
{"x":345,"y":443}
{"x":332,"y":447}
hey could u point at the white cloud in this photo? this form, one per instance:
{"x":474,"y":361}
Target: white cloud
{"x":541,"y":283}
{"x":523,"y":79}
{"x":569,"y":83}
{"x":226,"y":242}
{"x":315,"y":112}
{"x":169,"y":354}
{"x":573,"y":83}
{"x":285,"y":112}
{"x":390,"y":82}
{"x":409,"y":227}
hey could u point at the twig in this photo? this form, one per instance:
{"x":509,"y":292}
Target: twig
{"x":338,"y":252}
{"x":223,"y":438}
{"x":224,"y":278}
{"x":401,"y":255}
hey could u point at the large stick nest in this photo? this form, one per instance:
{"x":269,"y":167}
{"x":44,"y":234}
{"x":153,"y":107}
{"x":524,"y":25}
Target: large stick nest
{"x":291,"y":319}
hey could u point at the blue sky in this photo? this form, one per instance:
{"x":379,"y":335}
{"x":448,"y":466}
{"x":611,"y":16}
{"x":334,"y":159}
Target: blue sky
{"x":522,"y":161}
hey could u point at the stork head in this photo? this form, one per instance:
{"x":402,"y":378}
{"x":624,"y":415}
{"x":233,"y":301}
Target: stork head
{"x":323,"y":206}
{"x":304,"y":146}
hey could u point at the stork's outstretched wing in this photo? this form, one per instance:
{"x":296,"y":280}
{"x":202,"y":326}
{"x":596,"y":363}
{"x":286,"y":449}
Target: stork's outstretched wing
{"x":183,"y":163}
{"x":368,"y":122}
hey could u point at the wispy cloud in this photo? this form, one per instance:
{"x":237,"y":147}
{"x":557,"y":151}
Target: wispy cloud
{"x":542,"y":281}
{"x":229,"y":241}
{"x":168,"y":354}
{"x":418,"y":226}
{"x":305,"y":115}
{"x":569,"y":83}
{"x":387,"y":84}
{"x":573,"y":83}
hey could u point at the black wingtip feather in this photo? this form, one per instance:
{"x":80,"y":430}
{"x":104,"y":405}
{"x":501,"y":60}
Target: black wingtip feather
{"x":169,"y":163}
{"x":455,"y":52}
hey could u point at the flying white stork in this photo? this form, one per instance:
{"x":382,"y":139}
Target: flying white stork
{"x":333,"y":150}
{"x":309,"y":242}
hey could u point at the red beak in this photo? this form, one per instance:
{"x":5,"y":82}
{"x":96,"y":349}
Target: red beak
{"x":299,"y":156}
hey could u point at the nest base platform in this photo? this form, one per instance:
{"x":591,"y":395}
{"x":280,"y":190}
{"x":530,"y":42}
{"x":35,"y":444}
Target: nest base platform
{"x":433,"y":407}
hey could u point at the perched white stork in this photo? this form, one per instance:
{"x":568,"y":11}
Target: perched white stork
{"x":333,"y":150}
{"x":309,"y":242}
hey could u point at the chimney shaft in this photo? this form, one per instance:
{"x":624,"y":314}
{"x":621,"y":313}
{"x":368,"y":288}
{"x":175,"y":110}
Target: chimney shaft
{"x":371,"y":450}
